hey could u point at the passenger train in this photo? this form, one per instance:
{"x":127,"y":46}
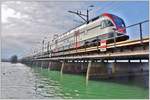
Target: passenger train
{"x":104,"y":27}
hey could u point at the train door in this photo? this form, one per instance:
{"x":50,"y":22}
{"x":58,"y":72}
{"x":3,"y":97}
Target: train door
{"x":77,"y":43}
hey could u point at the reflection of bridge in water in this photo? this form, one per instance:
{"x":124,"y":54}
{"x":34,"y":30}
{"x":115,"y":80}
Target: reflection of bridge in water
{"x":117,"y":59}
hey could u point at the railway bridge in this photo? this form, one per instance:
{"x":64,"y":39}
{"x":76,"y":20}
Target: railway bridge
{"x":110,"y":60}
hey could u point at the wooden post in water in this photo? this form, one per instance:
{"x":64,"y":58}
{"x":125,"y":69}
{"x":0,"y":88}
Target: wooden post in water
{"x":88,"y":71}
{"x":62,"y":67}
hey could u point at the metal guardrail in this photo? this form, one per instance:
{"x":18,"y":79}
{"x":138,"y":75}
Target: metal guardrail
{"x":133,"y":25}
{"x":140,"y":28}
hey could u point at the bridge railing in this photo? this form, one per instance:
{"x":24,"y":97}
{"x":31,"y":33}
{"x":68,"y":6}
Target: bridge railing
{"x":138,"y":31}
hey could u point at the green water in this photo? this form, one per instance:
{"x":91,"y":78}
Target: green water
{"x":74,"y":86}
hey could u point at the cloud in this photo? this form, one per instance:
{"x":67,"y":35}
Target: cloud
{"x":25,"y":23}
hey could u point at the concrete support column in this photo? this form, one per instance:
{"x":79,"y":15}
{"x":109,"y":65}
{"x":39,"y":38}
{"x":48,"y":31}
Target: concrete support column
{"x":62,"y":67}
{"x":113,"y":67}
{"x":42,"y":64}
{"x":49,"y":65}
{"x":31,"y":63}
{"x":88,"y":70}
{"x":36,"y":63}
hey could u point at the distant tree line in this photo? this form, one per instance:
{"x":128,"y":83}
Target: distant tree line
{"x":14,"y":59}
{"x":5,"y":60}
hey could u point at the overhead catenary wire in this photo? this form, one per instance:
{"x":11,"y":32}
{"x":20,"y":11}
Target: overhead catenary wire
{"x":107,"y":7}
{"x":110,"y":7}
{"x":104,"y":7}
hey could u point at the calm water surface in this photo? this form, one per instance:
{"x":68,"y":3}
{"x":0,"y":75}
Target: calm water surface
{"x":21,"y":81}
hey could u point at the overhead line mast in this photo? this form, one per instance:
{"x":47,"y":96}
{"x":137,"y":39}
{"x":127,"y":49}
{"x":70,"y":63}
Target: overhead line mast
{"x":84,"y":17}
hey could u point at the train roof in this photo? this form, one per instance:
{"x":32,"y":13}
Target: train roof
{"x":91,"y":20}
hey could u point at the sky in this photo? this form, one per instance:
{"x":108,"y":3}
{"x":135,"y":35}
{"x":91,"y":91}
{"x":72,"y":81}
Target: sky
{"x":26,"y":24}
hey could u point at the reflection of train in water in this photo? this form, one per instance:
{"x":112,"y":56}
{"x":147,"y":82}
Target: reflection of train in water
{"x":104,"y":27}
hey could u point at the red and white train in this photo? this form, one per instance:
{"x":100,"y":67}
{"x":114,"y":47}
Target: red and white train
{"x":104,"y":27}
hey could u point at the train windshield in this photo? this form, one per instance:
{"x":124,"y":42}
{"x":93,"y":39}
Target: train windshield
{"x":106,"y":23}
{"x":119,"y":22}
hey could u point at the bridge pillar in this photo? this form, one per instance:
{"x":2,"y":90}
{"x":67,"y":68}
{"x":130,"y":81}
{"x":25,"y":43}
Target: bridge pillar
{"x":36,"y":64}
{"x":49,"y":65}
{"x":62,"y":67}
{"x":31,"y":63}
{"x":113,"y":67}
{"x":55,"y":65}
{"x":88,"y":71}
{"x":45,"y":65}
{"x":41,"y":64}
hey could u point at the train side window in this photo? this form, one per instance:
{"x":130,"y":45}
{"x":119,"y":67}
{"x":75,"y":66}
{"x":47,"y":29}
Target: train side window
{"x":102,"y":24}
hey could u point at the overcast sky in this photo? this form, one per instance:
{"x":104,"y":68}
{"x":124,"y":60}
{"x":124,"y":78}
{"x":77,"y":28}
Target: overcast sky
{"x":25,"y":24}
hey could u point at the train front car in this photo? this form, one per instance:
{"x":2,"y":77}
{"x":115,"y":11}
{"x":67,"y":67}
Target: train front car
{"x":117,"y":28}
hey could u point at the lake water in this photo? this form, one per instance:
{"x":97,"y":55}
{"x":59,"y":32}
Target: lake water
{"x":19,"y":81}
